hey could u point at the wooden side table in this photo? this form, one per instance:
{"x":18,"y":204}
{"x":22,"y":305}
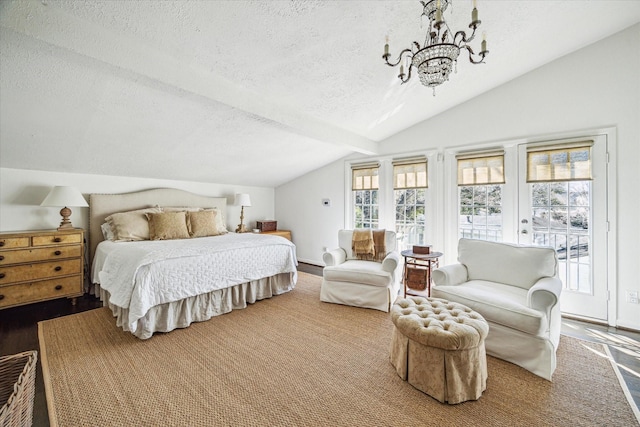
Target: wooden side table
{"x":283,"y":233}
{"x":417,"y":270}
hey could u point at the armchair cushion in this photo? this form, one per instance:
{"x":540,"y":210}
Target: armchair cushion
{"x":498,"y":303}
{"x":359,"y":271}
{"x":525,"y":264}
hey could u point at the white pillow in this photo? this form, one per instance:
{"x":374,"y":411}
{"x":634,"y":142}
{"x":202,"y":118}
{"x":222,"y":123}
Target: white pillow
{"x":131,"y":225}
{"x":220,"y":221}
{"x":107,"y":232}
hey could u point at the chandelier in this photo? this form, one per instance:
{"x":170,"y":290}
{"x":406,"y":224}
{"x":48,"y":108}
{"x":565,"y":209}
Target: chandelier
{"x":439,"y":54}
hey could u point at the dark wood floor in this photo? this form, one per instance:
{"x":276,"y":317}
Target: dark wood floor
{"x":19,"y":332}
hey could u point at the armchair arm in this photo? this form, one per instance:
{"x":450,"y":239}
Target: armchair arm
{"x":544,"y":294}
{"x":334,"y":257}
{"x":448,"y":275}
{"x":391,"y":262}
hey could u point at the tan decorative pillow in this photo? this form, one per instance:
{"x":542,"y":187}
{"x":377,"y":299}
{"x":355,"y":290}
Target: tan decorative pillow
{"x":202,"y":223}
{"x":131,"y":225}
{"x":168,"y":225}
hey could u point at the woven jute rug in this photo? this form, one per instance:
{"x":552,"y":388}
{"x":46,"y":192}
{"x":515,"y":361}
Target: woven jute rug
{"x":292,"y":360}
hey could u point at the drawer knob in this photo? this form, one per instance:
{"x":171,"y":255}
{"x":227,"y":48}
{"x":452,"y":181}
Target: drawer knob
{"x":58,"y":268}
{"x":57,"y":253}
{"x":58,"y":287}
{"x":1,"y":243}
{"x":2,"y":275}
{"x":57,"y":240}
{"x":1,"y":257}
{"x":1,"y":297}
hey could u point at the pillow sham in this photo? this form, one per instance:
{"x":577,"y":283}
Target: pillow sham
{"x":131,"y":225}
{"x":220,"y":225}
{"x":168,"y":225}
{"x":202,"y":223}
{"x":179,"y":209}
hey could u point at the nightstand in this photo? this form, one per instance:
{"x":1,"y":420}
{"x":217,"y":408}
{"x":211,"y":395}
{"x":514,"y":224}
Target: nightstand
{"x":283,"y":233}
{"x":41,"y":265}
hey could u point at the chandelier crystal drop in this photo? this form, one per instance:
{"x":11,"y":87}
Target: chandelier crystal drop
{"x":434,"y":60}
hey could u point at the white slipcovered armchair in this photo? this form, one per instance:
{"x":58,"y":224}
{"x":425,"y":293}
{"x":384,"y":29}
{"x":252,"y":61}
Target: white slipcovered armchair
{"x":516,"y":289}
{"x":351,"y":281}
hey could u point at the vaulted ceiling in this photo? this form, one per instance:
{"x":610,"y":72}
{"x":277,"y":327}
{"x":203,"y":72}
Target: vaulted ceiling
{"x":246,"y":92}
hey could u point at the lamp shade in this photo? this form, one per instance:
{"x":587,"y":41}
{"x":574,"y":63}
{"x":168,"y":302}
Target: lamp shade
{"x":242,"y":199}
{"x":64,"y":196}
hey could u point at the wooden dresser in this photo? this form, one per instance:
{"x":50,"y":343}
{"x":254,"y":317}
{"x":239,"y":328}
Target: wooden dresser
{"x":41,"y":265}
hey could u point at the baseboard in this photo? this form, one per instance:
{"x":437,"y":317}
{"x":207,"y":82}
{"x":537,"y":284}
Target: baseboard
{"x":620,"y":324}
{"x":630,"y":326}
{"x":312,"y":262}
{"x":584,"y":319}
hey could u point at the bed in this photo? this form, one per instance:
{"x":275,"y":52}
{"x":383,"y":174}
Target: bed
{"x":161,"y":285}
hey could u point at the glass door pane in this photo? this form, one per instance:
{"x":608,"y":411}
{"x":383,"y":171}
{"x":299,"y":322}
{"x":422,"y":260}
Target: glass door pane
{"x":560,"y":215}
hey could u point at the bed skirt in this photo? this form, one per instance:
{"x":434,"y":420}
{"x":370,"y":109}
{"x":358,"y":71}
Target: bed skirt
{"x":180,"y":314}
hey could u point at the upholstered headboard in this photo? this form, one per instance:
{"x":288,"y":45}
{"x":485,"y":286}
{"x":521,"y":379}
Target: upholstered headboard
{"x":103,"y":205}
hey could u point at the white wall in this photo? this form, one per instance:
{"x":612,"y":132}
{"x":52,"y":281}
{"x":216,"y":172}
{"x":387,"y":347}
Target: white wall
{"x":596,"y":87}
{"x":313,"y":225}
{"x":22,"y":191}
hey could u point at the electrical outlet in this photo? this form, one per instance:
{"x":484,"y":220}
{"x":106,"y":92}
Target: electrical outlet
{"x":632,"y":297}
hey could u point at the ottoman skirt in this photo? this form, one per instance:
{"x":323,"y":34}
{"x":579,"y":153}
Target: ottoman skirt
{"x":449,"y":375}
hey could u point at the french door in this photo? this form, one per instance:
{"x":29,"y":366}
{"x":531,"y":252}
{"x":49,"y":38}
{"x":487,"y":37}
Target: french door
{"x":571,"y":216}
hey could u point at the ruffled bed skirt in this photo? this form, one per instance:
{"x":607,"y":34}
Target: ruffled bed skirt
{"x":180,"y":314}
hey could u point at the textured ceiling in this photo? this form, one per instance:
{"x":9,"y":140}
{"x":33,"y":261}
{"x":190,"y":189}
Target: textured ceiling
{"x":245,"y":92}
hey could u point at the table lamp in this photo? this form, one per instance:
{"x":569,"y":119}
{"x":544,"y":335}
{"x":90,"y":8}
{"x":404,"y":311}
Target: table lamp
{"x":64,"y":196}
{"x":242,"y":200}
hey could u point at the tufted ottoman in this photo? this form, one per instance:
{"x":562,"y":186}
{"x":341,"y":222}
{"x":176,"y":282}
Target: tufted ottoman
{"x":438,"y":347}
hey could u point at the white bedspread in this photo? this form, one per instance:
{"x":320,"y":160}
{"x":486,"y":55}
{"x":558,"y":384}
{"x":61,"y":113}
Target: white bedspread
{"x":141,"y":275}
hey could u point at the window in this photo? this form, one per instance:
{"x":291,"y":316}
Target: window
{"x":480,"y":209}
{"x":480,"y":179}
{"x":561,"y":207}
{"x":410,"y":184}
{"x":365,"y":186}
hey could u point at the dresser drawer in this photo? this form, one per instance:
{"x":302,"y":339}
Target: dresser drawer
{"x":27,"y":272}
{"x":56,"y":239}
{"x":39,"y":291}
{"x":14,"y":242}
{"x":20,"y":256}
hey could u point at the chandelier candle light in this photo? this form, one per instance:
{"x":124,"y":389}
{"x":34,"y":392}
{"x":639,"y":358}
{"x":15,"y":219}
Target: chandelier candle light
{"x":439,"y":54}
